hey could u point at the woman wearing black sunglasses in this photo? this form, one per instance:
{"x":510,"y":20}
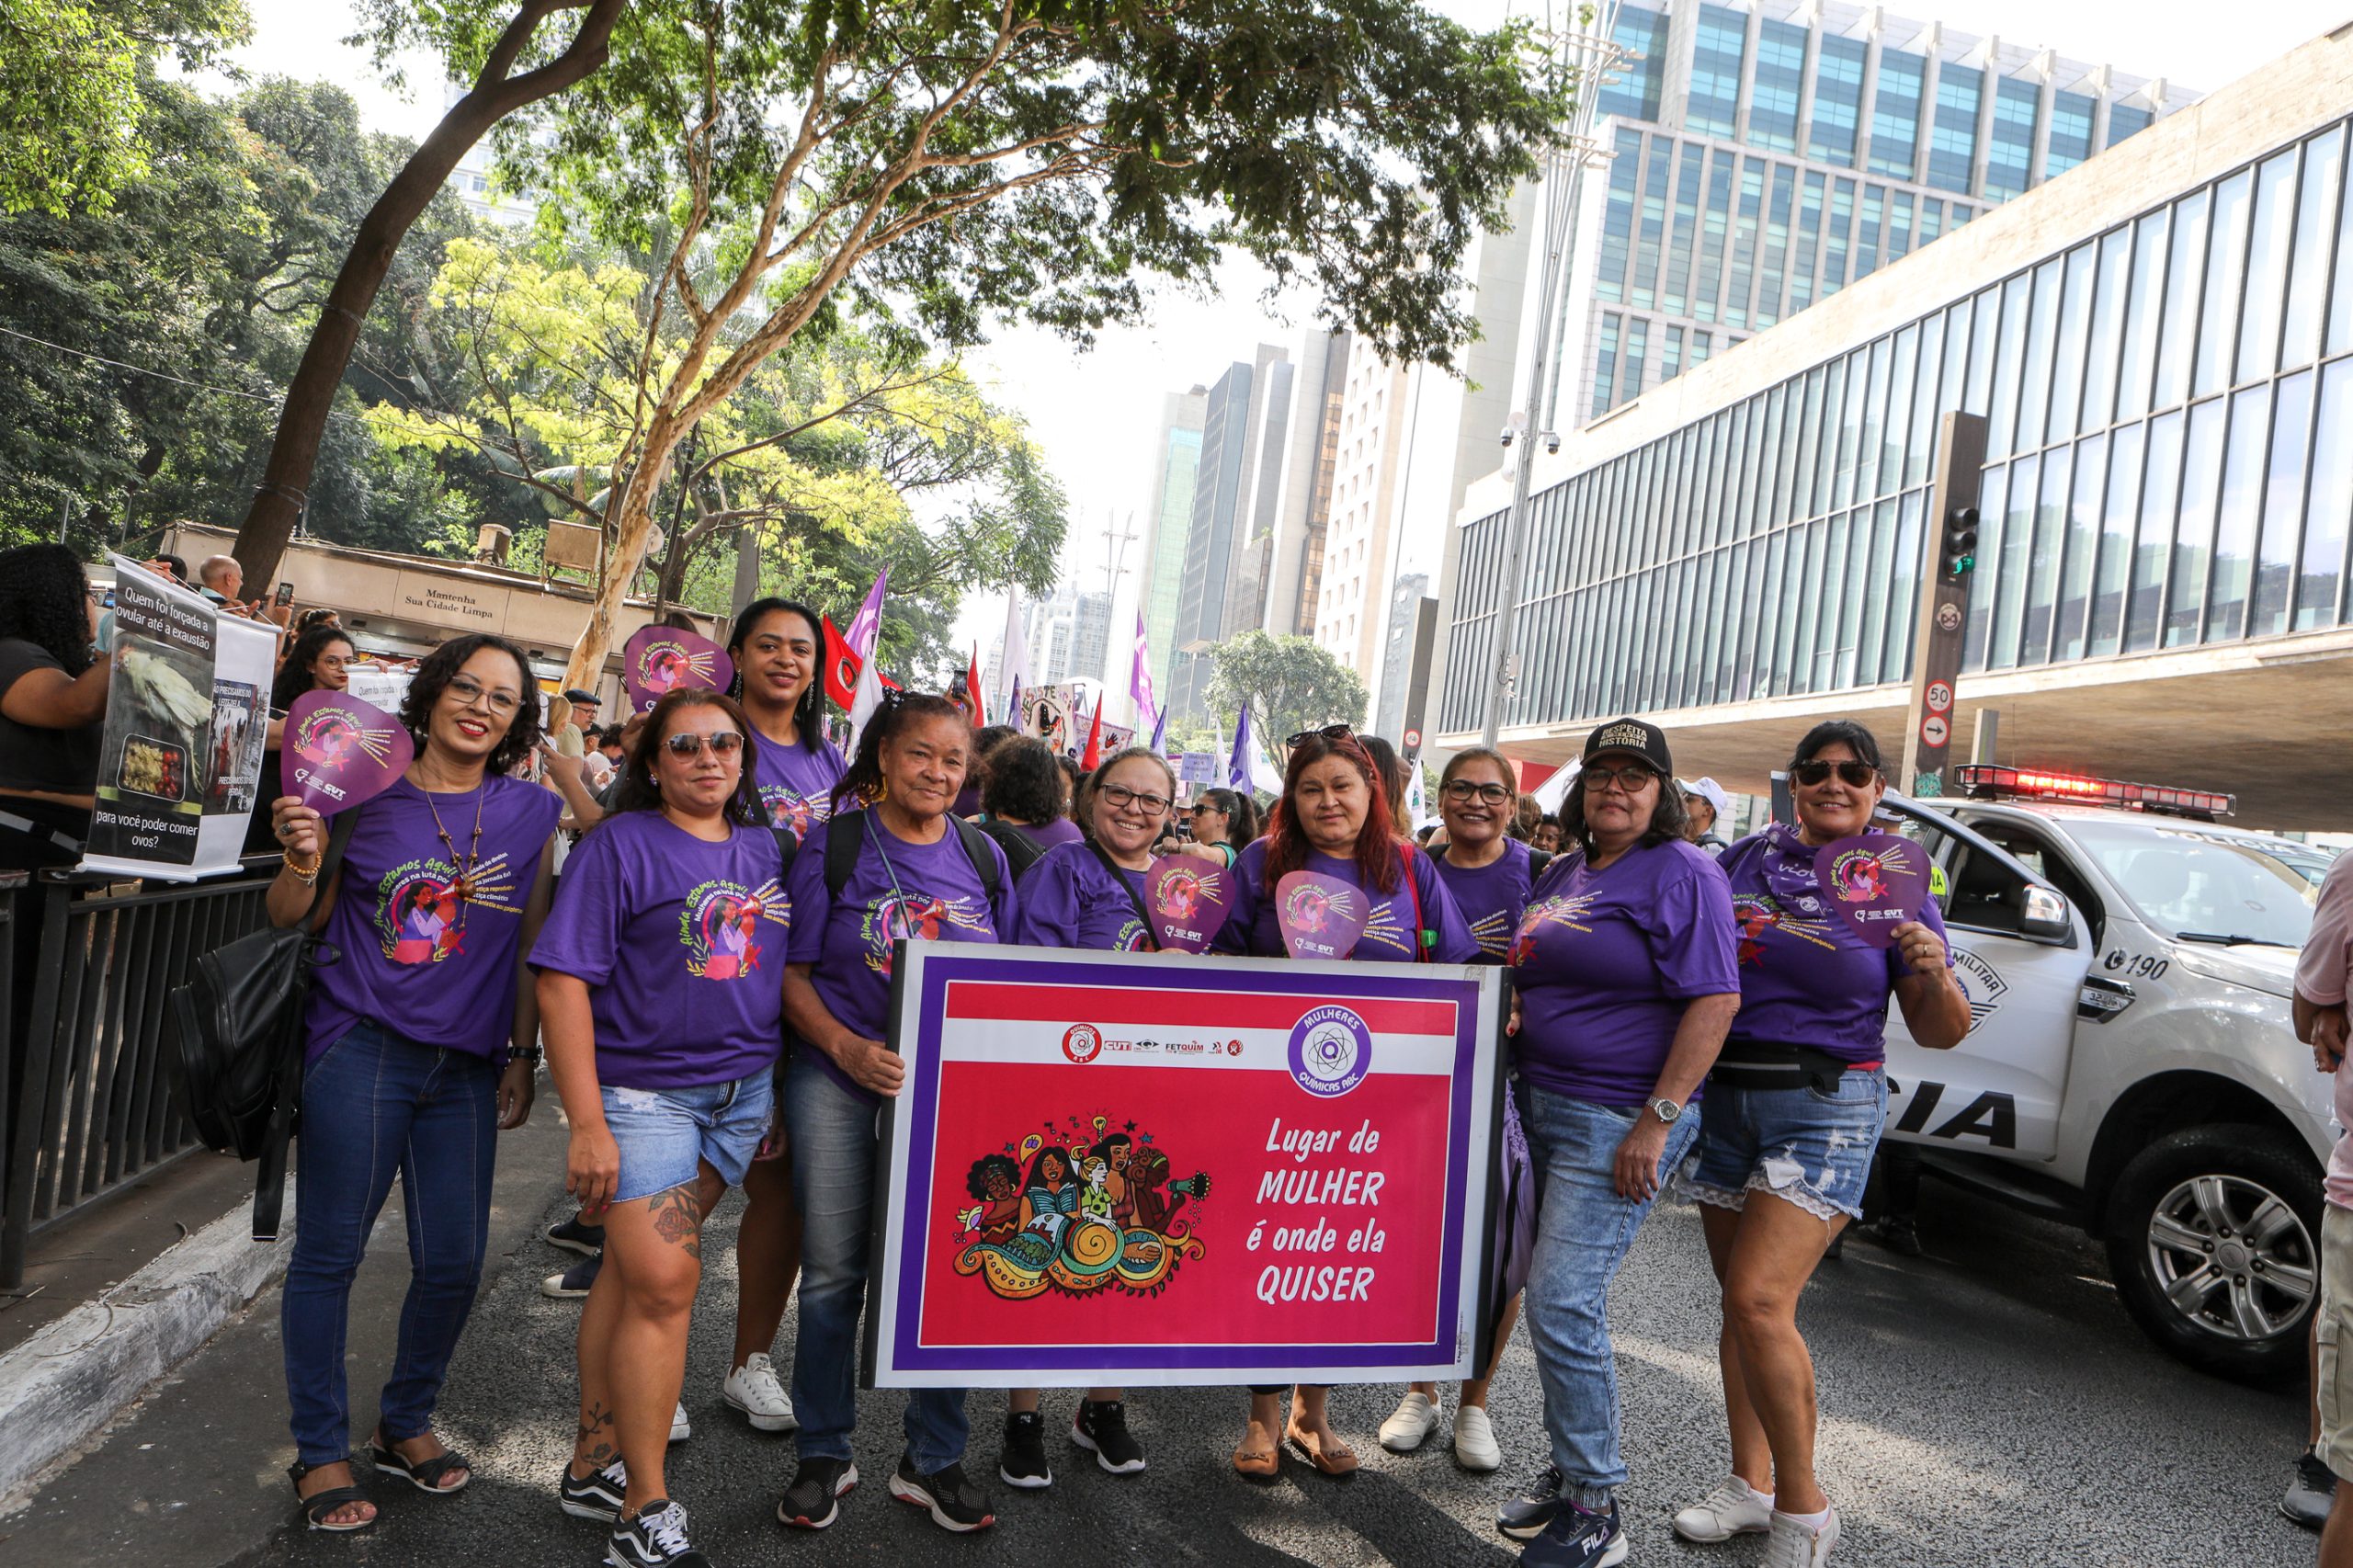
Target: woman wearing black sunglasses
{"x":1792,"y":1116}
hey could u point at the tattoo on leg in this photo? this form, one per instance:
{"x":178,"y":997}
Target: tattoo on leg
{"x":677,"y":1217}
{"x":594,"y":1446}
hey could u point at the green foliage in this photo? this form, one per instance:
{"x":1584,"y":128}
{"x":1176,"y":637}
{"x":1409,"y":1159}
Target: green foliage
{"x":1291,"y":683}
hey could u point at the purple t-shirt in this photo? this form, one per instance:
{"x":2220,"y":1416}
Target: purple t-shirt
{"x":1046,"y":835}
{"x":424,"y":957}
{"x":1805,"y":977}
{"x":1605,"y":962}
{"x":682,"y":943}
{"x":1491,"y":897}
{"x":897,"y":889}
{"x":797,"y":784}
{"x":1070,"y":899}
{"x":1251,"y":924}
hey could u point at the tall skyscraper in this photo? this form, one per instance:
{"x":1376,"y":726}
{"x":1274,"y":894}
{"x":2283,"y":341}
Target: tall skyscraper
{"x":1168,"y":523}
{"x":1219,"y":492}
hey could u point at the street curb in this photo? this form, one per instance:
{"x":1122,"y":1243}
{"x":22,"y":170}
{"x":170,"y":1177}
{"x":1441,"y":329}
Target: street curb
{"x":62,"y":1386}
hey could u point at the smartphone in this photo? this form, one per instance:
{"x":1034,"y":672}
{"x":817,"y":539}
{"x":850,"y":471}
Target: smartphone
{"x":107,"y":602}
{"x":285,"y":594}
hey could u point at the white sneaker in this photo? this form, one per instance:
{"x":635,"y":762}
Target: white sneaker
{"x":1410,"y":1424}
{"x":680,"y":1429}
{"x":1793,"y":1545}
{"x":752,"y":1389}
{"x":1735,"y":1508}
{"x":1474,"y":1440}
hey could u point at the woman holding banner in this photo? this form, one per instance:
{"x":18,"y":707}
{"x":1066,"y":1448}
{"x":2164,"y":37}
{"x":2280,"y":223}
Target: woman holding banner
{"x":775,"y":648}
{"x":53,"y":708}
{"x":1792,"y":1118}
{"x":1091,"y":896}
{"x":899,"y":865}
{"x":1333,"y":820}
{"x":1490,"y":874}
{"x":1626,"y":978}
{"x":421,"y":1045}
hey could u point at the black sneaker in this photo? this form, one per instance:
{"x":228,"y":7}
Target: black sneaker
{"x":1102,"y":1430}
{"x":1023,"y":1463}
{"x":1578,"y":1540}
{"x":573,"y":1236}
{"x":595,"y":1496}
{"x":1898,"y":1235}
{"x":656,"y":1538}
{"x":813,"y":1500}
{"x":955,"y":1503}
{"x":1525,"y":1516}
{"x":2309,"y":1494}
{"x":574,"y":1283}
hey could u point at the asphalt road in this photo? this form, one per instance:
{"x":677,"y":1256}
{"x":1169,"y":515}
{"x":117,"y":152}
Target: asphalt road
{"x":1987,"y":1405}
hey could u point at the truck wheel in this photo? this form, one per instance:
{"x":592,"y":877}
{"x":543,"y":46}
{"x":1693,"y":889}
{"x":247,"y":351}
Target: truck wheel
{"x":2213,"y":1236}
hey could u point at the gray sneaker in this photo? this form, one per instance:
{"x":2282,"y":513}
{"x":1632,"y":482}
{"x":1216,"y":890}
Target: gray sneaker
{"x":2309,"y":1494}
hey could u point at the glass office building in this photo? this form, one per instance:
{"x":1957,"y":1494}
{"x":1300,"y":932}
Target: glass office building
{"x":2166,"y":373}
{"x":1766,"y":157}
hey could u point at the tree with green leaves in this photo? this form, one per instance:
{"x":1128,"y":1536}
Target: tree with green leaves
{"x":1289,"y":683}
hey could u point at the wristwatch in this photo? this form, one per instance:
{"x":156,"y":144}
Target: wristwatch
{"x":1666,"y":1110}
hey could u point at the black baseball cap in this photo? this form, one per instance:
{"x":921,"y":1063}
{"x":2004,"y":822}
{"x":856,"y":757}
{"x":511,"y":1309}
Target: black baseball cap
{"x":577,"y":696}
{"x":1645,"y":740}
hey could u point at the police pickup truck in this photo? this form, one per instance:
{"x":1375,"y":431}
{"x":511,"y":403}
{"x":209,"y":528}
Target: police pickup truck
{"x":2132,"y":1065}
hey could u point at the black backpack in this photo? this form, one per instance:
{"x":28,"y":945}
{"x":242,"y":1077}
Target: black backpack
{"x":232,"y":1039}
{"x":841,"y":853}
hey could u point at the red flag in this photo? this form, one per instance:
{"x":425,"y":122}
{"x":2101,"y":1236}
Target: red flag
{"x":979,"y":704}
{"x":1093,"y":757}
{"x":842,"y":665}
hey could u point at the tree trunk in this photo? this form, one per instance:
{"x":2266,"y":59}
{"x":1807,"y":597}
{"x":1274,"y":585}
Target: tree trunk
{"x":278,"y":502}
{"x":632,"y":526}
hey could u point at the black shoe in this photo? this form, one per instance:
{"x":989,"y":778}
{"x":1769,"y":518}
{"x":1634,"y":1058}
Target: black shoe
{"x":595,"y":1496}
{"x":2309,"y":1494}
{"x":1525,"y":1516}
{"x":813,"y":1500}
{"x":574,"y":1282}
{"x":1898,"y":1235}
{"x":1024,"y":1462}
{"x":1576,"y":1538}
{"x":1102,"y":1429}
{"x":656,"y":1538}
{"x":1837,"y":1247}
{"x":573,"y":1236}
{"x":955,"y":1503}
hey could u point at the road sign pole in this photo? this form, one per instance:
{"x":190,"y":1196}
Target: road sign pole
{"x":1947,"y":566}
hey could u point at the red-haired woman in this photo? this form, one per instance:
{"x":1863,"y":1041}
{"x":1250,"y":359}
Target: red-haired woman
{"x":1334,"y":819}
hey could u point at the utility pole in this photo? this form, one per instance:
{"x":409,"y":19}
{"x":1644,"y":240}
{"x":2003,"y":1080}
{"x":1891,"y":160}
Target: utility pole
{"x":1590,"y":57}
{"x":1115,"y":554}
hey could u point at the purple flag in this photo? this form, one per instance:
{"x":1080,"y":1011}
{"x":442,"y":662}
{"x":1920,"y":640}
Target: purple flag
{"x":340,"y":750}
{"x":1875,"y":880}
{"x":659,"y":660}
{"x":1188,"y":897}
{"x":867,"y":624}
{"x":1237,"y":762}
{"x":1322,"y":916}
{"x":1148,"y":714}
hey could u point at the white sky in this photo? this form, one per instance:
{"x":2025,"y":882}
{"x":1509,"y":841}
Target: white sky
{"x":1095,"y":413}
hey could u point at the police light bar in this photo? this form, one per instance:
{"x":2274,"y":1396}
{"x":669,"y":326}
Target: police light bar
{"x":1986,"y":778}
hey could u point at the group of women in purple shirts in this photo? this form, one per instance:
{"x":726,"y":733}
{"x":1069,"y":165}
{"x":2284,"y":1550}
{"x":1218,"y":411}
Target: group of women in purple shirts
{"x":711,"y":978}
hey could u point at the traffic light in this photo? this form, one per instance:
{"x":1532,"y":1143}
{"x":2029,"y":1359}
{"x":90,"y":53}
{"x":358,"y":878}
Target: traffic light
{"x":1960,"y":551}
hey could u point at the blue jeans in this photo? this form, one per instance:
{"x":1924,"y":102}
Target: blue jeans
{"x":373,"y":1105}
{"x":1583,"y":1229}
{"x":834,"y":1134}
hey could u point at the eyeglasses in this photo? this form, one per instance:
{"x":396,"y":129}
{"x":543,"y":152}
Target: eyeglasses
{"x":1631,"y":777}
{"x":1328,"y":733}
{"x":1122,"y":798}
{"x":1463,"y":791}
{"x":1812,"y":773}
{"x":469,"y":691}
{"x":727,"y":743}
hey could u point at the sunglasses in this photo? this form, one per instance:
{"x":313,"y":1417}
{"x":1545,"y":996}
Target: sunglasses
{"x":1812,"y":773}
{"x":727,"y":743}
{"x":1328,"y":733}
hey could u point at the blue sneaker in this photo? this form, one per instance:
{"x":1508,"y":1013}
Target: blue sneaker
{"x":1578,"y":1540}
{"x":1525,"y":1516}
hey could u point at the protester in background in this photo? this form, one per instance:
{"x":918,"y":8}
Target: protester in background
{"x":664,"y":1060}
{"x":1224,"y":821}
{"x":1027,"y":802}
{"x":574,"y":715}
{"x":1072,"y":777}
{"x":177,"y":567}
{"x":319,"y":661}
{"x":1705,"y":802}
{"x":53,"y":707}
{"x":595,"y":768}
{"x":1547,"y":836}
{"x":1090,"y":896}
{"x":1489,"y":875}
{"x":1791,"y":1118}
{"x":2324,"y":972}
{"x":1392,"y":779}
{"x":1525,"y":818}
{"x":1626,"y":978}
{"x":319,"y":615}
{"x":985,"y":740}
{"x":918,"y":870}
{"x":420,"y":1046}
{"x":1334,"y":818}
{"x":221,"y":579}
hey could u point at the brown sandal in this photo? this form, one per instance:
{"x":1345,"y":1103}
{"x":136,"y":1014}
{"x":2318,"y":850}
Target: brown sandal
{"x":1344,"y":1462}
{"x":1258,"y":1464}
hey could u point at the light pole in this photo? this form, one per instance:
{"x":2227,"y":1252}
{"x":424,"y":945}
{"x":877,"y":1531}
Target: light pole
{"x":1588,"y":57}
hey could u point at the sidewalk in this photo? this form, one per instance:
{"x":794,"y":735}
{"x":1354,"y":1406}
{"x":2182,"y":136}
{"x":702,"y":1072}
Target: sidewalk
{"x":194,"y":1472}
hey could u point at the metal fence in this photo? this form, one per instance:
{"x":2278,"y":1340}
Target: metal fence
{"x":86,"y":1104}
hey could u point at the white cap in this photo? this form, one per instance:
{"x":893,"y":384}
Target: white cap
{"x":1710,"y":791}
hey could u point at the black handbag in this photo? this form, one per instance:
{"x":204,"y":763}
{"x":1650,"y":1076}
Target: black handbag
{"x":233,"y":1037}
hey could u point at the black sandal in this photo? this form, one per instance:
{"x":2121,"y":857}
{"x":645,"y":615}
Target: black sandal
{"x":319,"y":1504}
{"x":425,"y":1474}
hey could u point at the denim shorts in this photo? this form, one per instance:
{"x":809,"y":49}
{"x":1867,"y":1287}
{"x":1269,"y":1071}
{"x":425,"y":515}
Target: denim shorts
{"x":664,"y":1135}
{"x":1800,"y":1145}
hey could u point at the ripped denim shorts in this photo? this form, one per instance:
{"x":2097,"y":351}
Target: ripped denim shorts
{"x":1805,"y":1145}
{"x":665,"y":1135}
